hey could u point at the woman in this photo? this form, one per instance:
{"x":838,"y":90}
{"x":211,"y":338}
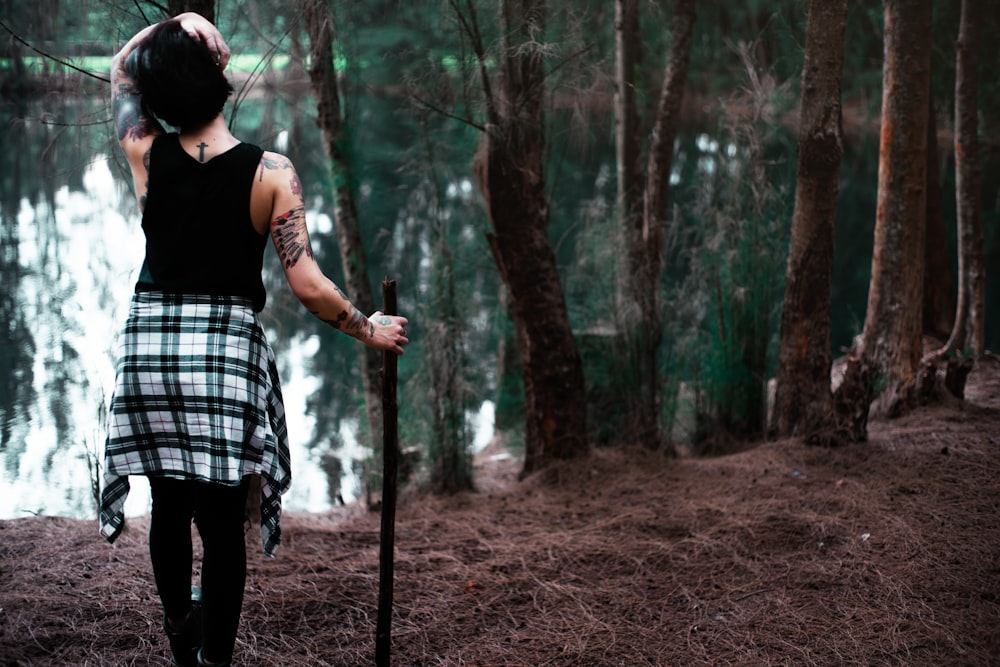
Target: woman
{"x":197,"y":404}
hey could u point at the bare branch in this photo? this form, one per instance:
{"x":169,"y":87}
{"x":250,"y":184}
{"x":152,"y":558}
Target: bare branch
{"x":255,"y":74}
{"x":471,"y":26}
{"x":447,"y":114}
{"x":143,"y":14}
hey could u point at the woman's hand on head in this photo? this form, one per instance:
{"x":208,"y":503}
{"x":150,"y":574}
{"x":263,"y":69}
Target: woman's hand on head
{"x":200,"y":28}
{"x":388,"y":332}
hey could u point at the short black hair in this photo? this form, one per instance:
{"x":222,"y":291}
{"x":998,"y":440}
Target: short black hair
{"x":178,"y":77}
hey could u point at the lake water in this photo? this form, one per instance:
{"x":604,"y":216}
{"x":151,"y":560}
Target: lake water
{"x":71,"y":246}
{"x":55,"y":424}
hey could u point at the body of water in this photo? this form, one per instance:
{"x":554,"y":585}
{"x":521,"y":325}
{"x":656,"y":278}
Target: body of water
{"x":80,"y":252}
{"x":70,"y":255}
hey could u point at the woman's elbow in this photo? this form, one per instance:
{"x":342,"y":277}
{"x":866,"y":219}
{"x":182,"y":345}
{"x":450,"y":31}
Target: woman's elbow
{"x":309,"y":295}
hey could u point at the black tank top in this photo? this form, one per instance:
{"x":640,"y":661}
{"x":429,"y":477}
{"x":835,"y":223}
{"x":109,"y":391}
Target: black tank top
{"x":199,"y":235}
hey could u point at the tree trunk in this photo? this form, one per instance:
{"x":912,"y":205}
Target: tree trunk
{"x":803,"y":404}
{"x":968,"y":334}
{"x":638,"y":425}
{"x":966,"y":342}
{"x":319,"y":24}
{"x":939,"y":285}
{"x":450,"y":460}
{"x":645,"y":228}
{"x":626,"y":116}
{"x":204,"y":7}
{"x":509,"y":169}
{"x":887,"y":354}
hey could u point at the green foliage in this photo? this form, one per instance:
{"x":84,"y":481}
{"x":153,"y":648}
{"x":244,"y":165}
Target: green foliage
{"x":862,"y":79}
{"x":726,"y":307}
{"x":443,"y":395}
{"x":591,"y":279}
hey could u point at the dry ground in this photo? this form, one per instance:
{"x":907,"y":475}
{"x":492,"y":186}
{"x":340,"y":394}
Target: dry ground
{"x":883,"y":553}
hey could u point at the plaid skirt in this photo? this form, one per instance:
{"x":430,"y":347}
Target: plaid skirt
{"x":196,"y":397}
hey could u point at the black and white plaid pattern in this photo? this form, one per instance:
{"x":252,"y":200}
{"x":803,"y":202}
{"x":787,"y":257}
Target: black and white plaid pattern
{"x":196,"y":397}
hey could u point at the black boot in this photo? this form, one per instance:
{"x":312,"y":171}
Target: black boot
{"x":202,"y":663}
{"x":184,"y":643}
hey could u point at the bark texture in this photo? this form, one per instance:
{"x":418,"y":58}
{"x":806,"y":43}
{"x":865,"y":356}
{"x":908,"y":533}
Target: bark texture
{"x":323,"y":76}
{"x":509,"y":168}
{"x":886,"y":358}
{"x":968,"y":334}
{"x":638,"y":425}
{"x":643,"y":211}
{"x":450,"y":459}
{"x":803,"y":401}
{"x":626,"y":115}
{"x":966,"y":341}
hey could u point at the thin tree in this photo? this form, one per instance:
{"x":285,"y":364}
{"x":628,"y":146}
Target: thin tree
{"x":886,"y":357}
{"x":319,"y":22}
{"x":803,"y":403}
{"x":642,"y":206}
{"x":966,"y":341}
{"x":968,"y":333}
{"x":450,"y":459}
{"x":510,"y":172}
{"x":639,"y":386}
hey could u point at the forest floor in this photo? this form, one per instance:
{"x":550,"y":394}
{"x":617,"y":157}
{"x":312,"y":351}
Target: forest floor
{"x":880,"y":553}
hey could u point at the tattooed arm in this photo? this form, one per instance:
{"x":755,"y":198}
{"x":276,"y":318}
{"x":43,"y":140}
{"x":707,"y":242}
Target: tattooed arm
{"x":314,"y":289}
{"x":133,"y":127}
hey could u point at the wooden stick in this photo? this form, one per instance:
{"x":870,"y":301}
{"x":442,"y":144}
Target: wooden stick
{"x":390,"y":467}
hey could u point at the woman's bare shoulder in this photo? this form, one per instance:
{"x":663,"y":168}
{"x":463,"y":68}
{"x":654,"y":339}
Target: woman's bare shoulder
{"x":278,"y":172}
{"x":271,"y":161}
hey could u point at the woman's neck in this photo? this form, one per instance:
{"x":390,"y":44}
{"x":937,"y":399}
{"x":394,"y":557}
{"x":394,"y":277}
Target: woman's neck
{"x":207,"y":141}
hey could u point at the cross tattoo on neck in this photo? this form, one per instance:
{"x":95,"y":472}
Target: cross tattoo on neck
{"x":201,"y":151}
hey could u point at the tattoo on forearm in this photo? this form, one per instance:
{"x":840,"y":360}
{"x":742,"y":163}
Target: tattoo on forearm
{"x":358,"y":322}
{"x":351,"y":321}
{"x":290,"y":236}
{"x":339,"y":322}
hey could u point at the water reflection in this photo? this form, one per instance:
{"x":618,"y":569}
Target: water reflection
{"x":71,"y":245}
{"x":69,"y":268}
{"x":71,"y":255}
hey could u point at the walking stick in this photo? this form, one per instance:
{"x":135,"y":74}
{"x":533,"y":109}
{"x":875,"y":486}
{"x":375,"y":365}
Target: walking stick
{"x":390,"y":466}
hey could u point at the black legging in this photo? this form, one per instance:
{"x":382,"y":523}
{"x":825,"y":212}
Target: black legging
{"x":219,"y":513}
